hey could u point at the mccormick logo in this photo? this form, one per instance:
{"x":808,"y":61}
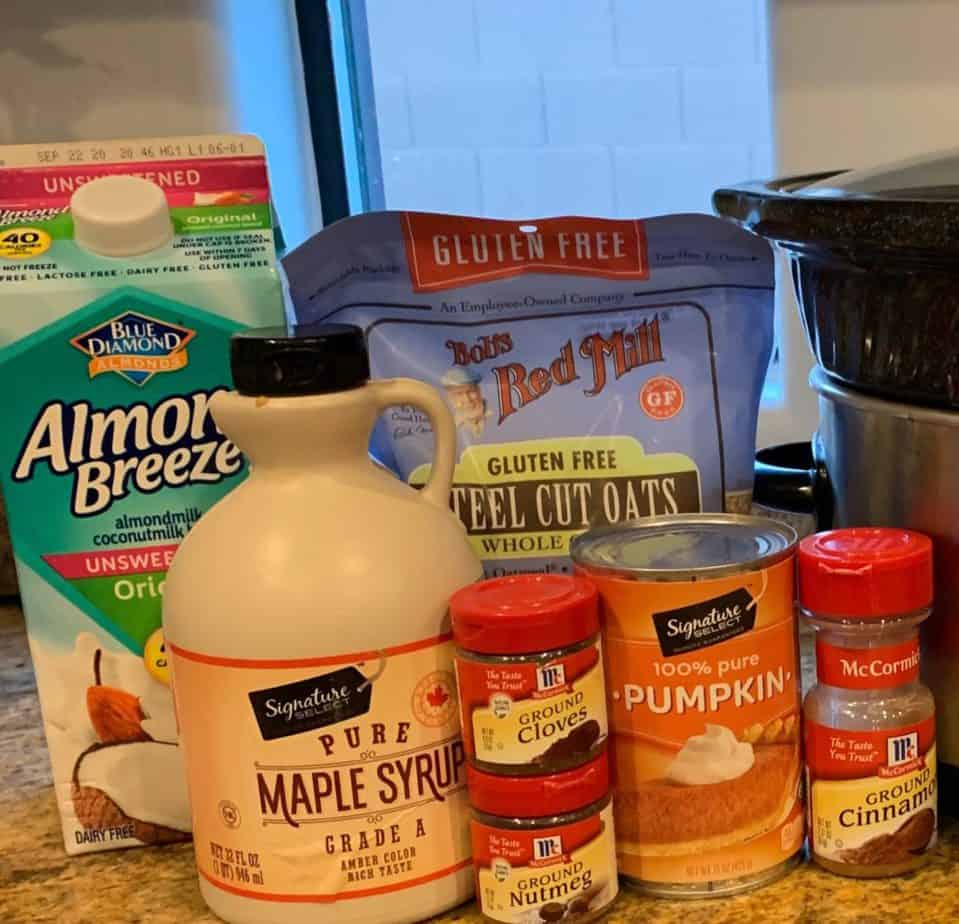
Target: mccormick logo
{"x":547,"y":849}
{"x":445,"y":251}
{"x":550,"y":677}
{"x":135,"y":346}
{"x":902,"y":749}
{"x":893,"y":670}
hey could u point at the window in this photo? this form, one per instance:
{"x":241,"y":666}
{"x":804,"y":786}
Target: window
{"x":268,"y":101}
{"x":549,"y":107}
{"x":491,"y":107}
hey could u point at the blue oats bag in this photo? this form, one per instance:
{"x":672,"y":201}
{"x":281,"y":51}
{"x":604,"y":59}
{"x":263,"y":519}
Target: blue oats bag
{"x":598,"y":370}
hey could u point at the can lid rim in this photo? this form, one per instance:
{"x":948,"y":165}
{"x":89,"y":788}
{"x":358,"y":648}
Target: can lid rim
{"x":582,"y":547}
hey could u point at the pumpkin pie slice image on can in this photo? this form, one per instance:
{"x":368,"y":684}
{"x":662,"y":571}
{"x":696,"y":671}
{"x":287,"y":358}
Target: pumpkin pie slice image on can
{"x":702,"y":664}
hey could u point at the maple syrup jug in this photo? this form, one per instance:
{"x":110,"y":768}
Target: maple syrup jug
{"x":305,"y":616}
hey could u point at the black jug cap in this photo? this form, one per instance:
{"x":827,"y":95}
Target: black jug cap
{"x":307,"y":360}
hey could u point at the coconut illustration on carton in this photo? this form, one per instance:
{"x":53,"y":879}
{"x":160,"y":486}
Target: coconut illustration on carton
{"x":114,"y":720}
{"x":134,"y":788}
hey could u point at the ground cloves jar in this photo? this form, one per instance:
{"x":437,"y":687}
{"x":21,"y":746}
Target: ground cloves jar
{"x":529,"y":667}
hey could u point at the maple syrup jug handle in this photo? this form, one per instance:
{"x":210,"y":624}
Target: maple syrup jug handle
{"x":393,"y":392}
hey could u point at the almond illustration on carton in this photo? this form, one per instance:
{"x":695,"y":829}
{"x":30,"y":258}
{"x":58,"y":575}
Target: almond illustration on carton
{"x":115,"y":714}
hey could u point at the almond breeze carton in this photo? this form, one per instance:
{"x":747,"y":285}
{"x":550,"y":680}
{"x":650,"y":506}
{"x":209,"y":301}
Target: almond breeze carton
{"x":125,"y":266}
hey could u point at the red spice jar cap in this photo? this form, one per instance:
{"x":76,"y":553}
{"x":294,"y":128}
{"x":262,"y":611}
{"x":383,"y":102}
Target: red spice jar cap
{"x":539,"y":796}
{"x":524,"y":613}
{"x":865,"y":573}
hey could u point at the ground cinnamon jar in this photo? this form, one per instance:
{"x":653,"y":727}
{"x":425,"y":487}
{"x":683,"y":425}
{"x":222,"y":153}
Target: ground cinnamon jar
{"x":529,"y":668}
{"x":869,"y":724}
{"x":544,"y":849}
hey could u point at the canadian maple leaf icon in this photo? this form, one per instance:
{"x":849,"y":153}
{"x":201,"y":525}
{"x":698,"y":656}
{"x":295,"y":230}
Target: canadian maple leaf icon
{"x":437,"y":696}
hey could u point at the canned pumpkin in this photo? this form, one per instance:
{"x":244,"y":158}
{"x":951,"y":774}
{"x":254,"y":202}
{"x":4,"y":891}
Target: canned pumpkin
{"x":703,"y":677}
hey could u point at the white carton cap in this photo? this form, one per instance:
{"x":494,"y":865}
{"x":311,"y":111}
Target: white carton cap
{"x":120,"y":216}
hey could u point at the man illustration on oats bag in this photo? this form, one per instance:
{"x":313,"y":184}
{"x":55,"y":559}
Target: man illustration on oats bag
{"x":470,"y":410}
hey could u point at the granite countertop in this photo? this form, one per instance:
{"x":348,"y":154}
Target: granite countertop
{"x":40,"y":884}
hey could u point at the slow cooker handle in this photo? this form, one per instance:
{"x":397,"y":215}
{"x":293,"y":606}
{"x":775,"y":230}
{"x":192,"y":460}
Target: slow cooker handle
{"x":790,"y":477}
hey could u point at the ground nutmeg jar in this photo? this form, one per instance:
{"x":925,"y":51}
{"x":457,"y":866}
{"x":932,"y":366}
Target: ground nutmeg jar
{"x":543,"y":846}
{"x":869,"y":724}
{"x":529,"y":668}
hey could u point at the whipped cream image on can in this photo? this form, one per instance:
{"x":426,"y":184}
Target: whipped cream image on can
{"x":712,"y":757}
{"x":699,"y":633}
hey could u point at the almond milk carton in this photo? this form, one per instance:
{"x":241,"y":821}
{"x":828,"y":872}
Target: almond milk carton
{"x":125,"y":266}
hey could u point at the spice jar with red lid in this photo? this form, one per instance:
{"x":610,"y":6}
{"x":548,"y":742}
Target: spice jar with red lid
{"x":869,"y":723}
{"x":529,"y":668}
{"x":543,"y":846}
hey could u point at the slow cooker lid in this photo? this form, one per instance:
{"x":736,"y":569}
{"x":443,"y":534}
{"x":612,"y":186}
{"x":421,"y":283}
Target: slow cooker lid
{"x":910,"y":205}
{"x":927,"y":178}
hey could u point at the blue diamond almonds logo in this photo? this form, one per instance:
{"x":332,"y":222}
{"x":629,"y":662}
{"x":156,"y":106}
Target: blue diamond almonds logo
{"x":135,"y":346}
